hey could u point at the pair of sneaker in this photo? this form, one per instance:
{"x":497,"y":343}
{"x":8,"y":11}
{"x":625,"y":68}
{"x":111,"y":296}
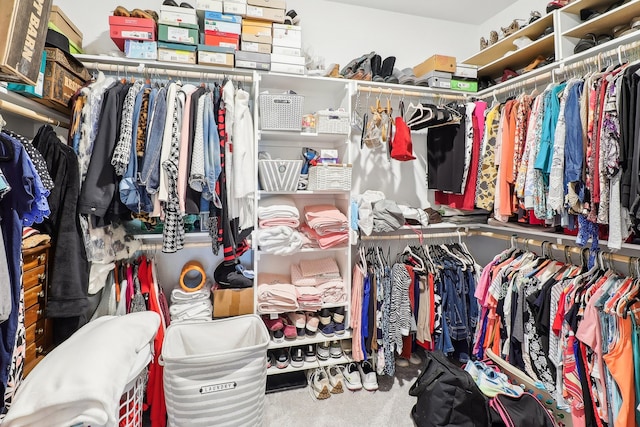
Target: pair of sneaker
{"x":332,"y":321}
{"x":323,"y":382}
{"x":326,"y":350}
{"x":279,"y":358}
{"x":360,"y":375}
{"x":490,"y":381}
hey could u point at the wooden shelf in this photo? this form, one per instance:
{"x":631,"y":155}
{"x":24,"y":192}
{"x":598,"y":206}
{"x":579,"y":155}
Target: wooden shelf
{"x":305,"y":366}
{"x":520,"y":58}
{"x":309,"y":340}
{"x":22,"y":102}
{"x":262,"y":193}
{"x":497,"y":51}
{"x":307,"y":251}
{"x":576,"y":6}
{"x":604,"y":24}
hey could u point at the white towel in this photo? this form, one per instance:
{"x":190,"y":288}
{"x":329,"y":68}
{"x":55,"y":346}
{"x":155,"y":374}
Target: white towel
{"x":279,"y":240}
{"x":278,"y":207}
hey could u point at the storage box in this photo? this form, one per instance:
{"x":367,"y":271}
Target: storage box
{"x":211,"y":27}
{"x":330,"y":177}
{"x":140,"y":50}
{"x":287,"y":36}
{"x":173,"y":52}
{"x":466,"y":71}
{"x":260,"y":66}
{"x":65,"y":26}
{"x":288,"y":59}
{"x":62,"y":78}
{"x":439,"y":82}
{"x":265,"y":13}
{"x":30,"y":90}
{"x":222,"y":41}
{"x":282,"y":50}
{"x":253,"y":56}
{"x":234,"y":8}
{"x":122,"y":28}
{"x":335,"y":122}
{"x":256,"y":47}
{"x":288,"y":68}
{"x":281,"y":111}
{"x":435,"y":63}
{"x":256,"y":31}
{"x":212,"y":5}
{"x":438,"y":74}
{"x":463,"y":85}
{"x":171,"y":34}
{"x":23,"y":30}
{"x":217,"y":49}
{"x":275,"y":4}
{"x":212,"y":55}
{"x":232,"y":302}
{"x":279,"y":175}
{"x":183,"y":16}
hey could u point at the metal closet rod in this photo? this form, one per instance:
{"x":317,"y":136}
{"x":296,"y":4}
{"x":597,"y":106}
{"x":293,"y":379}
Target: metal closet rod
{"x":158,"y":246}
{"x":150,"y":71}
{"x":25,"y":112}
{"x":402,"y":92}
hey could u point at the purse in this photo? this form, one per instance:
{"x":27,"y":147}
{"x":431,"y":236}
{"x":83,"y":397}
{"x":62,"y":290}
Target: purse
{"x":402,"y":146}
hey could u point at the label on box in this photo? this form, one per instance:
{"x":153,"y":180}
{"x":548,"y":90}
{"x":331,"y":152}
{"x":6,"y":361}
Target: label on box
{"x":255,"y":11}
{"x":213,"y":5}
{"x":235,"y":8}
{"x":215,"y":58}
{"x":282,"y":50}
{"x":287,"y":68}
{"x":176,"y":56}
{"x":222,"y":17}
{"x":253,"y":65}
{"x":141,"y":35}
{"x":179,"y":35}
{"x":256,"y":47}
{"x":211,"y":26}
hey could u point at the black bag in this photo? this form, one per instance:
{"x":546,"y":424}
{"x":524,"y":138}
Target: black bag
{"x":523,"y":411}
{"x":447,"y":396}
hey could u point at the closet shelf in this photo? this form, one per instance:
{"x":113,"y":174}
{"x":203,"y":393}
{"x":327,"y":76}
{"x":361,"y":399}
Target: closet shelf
{"x":497,"y":51}
{"x":278,"y":137}
{"x":306,"y":366}
{"x":343,"y":360}
{"x":520,"y":58}
{"x":603,"y":24}
{"x":577,"y":5}
{"x":303,"y":192}
{"x":156,"y":238}
{"x":306,"y":340}
{"x":29,"y":108}
{"x":307,"y":251}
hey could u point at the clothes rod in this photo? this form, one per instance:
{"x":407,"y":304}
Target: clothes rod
{"x":457,"y":234}
{"x":402,"y":92}
{"x":178,"y":74}
{"x":25,"y":112}
{"x":149,"y":247}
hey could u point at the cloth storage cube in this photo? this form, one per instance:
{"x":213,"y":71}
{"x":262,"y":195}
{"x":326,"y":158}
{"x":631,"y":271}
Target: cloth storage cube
{"x":279,"y":175}
{"x":215,"y":372}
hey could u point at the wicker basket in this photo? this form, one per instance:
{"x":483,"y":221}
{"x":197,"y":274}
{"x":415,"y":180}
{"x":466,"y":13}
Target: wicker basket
{"x":281,"y":112}
{"x":333,"y":122}
{"x":279,"y":175}
{"x":330,"y":177}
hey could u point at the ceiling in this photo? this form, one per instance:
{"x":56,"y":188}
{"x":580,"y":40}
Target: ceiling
{"x":465,"y":11}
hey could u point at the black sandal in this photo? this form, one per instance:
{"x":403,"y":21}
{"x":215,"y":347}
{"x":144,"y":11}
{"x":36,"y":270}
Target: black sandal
{"x":587,"y":42}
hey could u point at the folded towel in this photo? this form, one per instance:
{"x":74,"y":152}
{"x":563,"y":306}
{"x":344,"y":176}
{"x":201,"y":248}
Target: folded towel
{"x":277,"y":298}
{"x":179,"y":296}
{"x":273,"y":279}
{"x":326,"y":219}
{"x":325,"y":267}
{"x":196,"y":310}
{"x":325,"y":241}
{"x":333,"y":292}
{"x":279,"y":240}
{"x":297,"y":279}
{"x":278,"y":207}
{"x":280,"y":221}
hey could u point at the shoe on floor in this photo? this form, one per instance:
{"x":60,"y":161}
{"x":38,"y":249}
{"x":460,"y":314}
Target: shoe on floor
{"x":336,"y":379}
{"x":282,"y":358}
{"x":415,"y":359}
{"x":335,"y":350}
{"x":322,"y":350}
{"x":319,"y":384}
{"x":368,"y":376}
{"x":402,"y":362}
{"x":351,"y":375}
{"x":310,"y":353}
{"x":297,"y":357}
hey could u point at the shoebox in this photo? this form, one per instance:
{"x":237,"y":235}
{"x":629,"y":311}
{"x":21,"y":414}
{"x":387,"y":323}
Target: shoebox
{"x":62,"y":78}
{"x":232,"y":302}
{"x":140,"y":50}
{"x":438,"y":74}
{"x":256,"y":47}
{"x":253,"y":56}
{"x":287,"y":68}
{"x":257,"y":31}
{"x":223,"y":23}
{"x":184,"y":35}
{"x":222,"y":40}
{"x":265,"y":13}
{"x":122,"y":28}
{"x":287,"y":59}
{"x":182,"y":16}
{"x":174,"y":52}
{"x":435,"y":63}
{"x":59,"y":22}
{"x":234,"y":8}
{"x":212,"y":5}
{"x":439,"y":82}
{"x":275,"y":4}
{"x":464,"y":85}
{"x":287,"y":36}
{"x":214,"y":55}
{"x":466,"y":71}
{"x":282,"y":50}
{"x":31,"y":90}
{"x":23,"y":30}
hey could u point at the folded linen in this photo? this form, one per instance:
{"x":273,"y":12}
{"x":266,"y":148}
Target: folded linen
{"x":277,"y":298}
{"x":326,"y":241}
{"x":278,"y":207}
{"x":326,"y":219}
{"x":333,"y":292}
{"x":179,"y":296}
{"x":279,"y":240}
{"x":297,"y":279}
{"x":322,"y":267}
{"x":195,"y":310}
{"x":280,"y":221}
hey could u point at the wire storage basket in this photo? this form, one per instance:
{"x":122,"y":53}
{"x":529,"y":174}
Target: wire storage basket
{"x":330,"y":121}
{"x":279,"y":175}
{"x":131,"y":402}
{"x":281,"y":112}
{"x":330,"y":177}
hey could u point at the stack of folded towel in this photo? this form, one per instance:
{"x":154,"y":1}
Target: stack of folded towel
{"x":191,"y":305}
{"x":309,"y":298}
{"x":323,"y":275}
{"x":326,"y":225}
{"x":278,"y":210}
{"x":276,"y":294}
{"x":278,"y":218}
{"x":280,"y":240}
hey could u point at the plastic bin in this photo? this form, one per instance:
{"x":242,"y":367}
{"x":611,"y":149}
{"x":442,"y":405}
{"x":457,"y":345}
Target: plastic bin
{"x":215,"y":372}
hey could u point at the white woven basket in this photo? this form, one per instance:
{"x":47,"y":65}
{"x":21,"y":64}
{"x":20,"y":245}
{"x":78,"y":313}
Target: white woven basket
{"x":281,"y":112}
{"x":330,"y":177}
{"x":333,"y":122}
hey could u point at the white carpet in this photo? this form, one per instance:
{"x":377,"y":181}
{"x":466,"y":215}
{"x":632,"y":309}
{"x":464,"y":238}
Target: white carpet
{"x":389,"y":406}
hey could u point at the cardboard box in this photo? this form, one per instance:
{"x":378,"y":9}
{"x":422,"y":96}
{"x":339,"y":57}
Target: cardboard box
{"x":275,"y":4}
{"x":256,"y":47}
{"x":65,"y":26}
{"x":178,"y":16}
{"x":23,"y":30}
{"x":438,"y":74}
{"x":212,"y":5}
{"x":282,"y":50}
{"x":435,"y":63}
{"x":256,"y":31}
{"x":287,"y":68}
{"x":287,"y":36}
{"x":232,"y":302}
{"x":211,"y":57}
{"x":62,"y":78}
{"x":235,"y":8}
{"x":222,"y":41}
{"x":173,"y":52}
{"x":30,"y":90}
{"x":466,"y":71}
{"x":252,"y":56}
{"x":288,"y":59}
{"x":439,"y":82}
{"x":260,"y":66}
{"x":140,"y":50}
{"x":265,"y":13}
{"x":122,"y":28}
{"x":212,"y":27}
{"x":184,"y":35}
{"x":464,"y":85}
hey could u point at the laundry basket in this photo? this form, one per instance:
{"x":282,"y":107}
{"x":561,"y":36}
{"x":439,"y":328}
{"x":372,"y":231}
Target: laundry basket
{"x":131,"y":402}
{"x":215,"y":372}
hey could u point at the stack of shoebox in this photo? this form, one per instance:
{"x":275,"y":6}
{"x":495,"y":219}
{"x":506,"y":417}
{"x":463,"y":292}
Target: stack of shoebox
{"x":177,"y":34}
{"x":287,"y":49}
{"x":257,"y":37}
{"x":136,"y":37}
{"x":221,"y":38}
{"x":438,"y":70}
{"x":465,"y":78}
{"x":59,"y":22}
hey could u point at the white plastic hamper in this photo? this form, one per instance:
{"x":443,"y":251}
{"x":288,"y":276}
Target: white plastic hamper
{"x":215,"y":372}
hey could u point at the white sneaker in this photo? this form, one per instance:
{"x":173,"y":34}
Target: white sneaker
{"x":323,"y":350}
{"x":368,"y":376}
{"x":319,"y":383}
{"x":352,"y":377}
{"x":336,"y":379}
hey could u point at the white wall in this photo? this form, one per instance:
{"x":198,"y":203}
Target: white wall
{"x":331,"y":30}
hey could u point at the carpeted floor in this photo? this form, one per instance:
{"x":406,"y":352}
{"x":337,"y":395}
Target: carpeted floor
{"x":389,"y":406}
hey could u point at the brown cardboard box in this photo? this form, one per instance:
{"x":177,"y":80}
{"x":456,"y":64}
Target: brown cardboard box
{"x":232,"y":302}
{"x":64,"y":24}
{"x":436,"y":63}
{"x":23,"y":30}
{"x":275,"y":4}
{"x":62,"y":78}
{"x":265,"y":14}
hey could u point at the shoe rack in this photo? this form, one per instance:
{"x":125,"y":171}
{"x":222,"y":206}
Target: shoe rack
{"x":319,"y":94}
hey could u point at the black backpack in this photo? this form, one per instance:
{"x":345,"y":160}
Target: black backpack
{"x":523,"y":411}
{"x":447,"y":396}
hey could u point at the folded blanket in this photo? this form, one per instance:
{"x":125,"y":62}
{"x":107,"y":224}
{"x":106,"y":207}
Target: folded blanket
{"x":277,"y":298}
{"x":279,"y":240}
{"x":278,"y":207}
{"x":80,"y":382}
{"x":297,"y":279}
{"x":333,"y":292}
{"x":273,"y":279}
{"x":326,"y":241}
{"x":326,"y":219}
{"x":197,"y":310}
{"x":179,"y":296}
{"x":279,"y":221}
{"x":324,"y":267}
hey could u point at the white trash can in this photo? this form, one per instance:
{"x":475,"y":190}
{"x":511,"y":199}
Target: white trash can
{"x":215,"y":372}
